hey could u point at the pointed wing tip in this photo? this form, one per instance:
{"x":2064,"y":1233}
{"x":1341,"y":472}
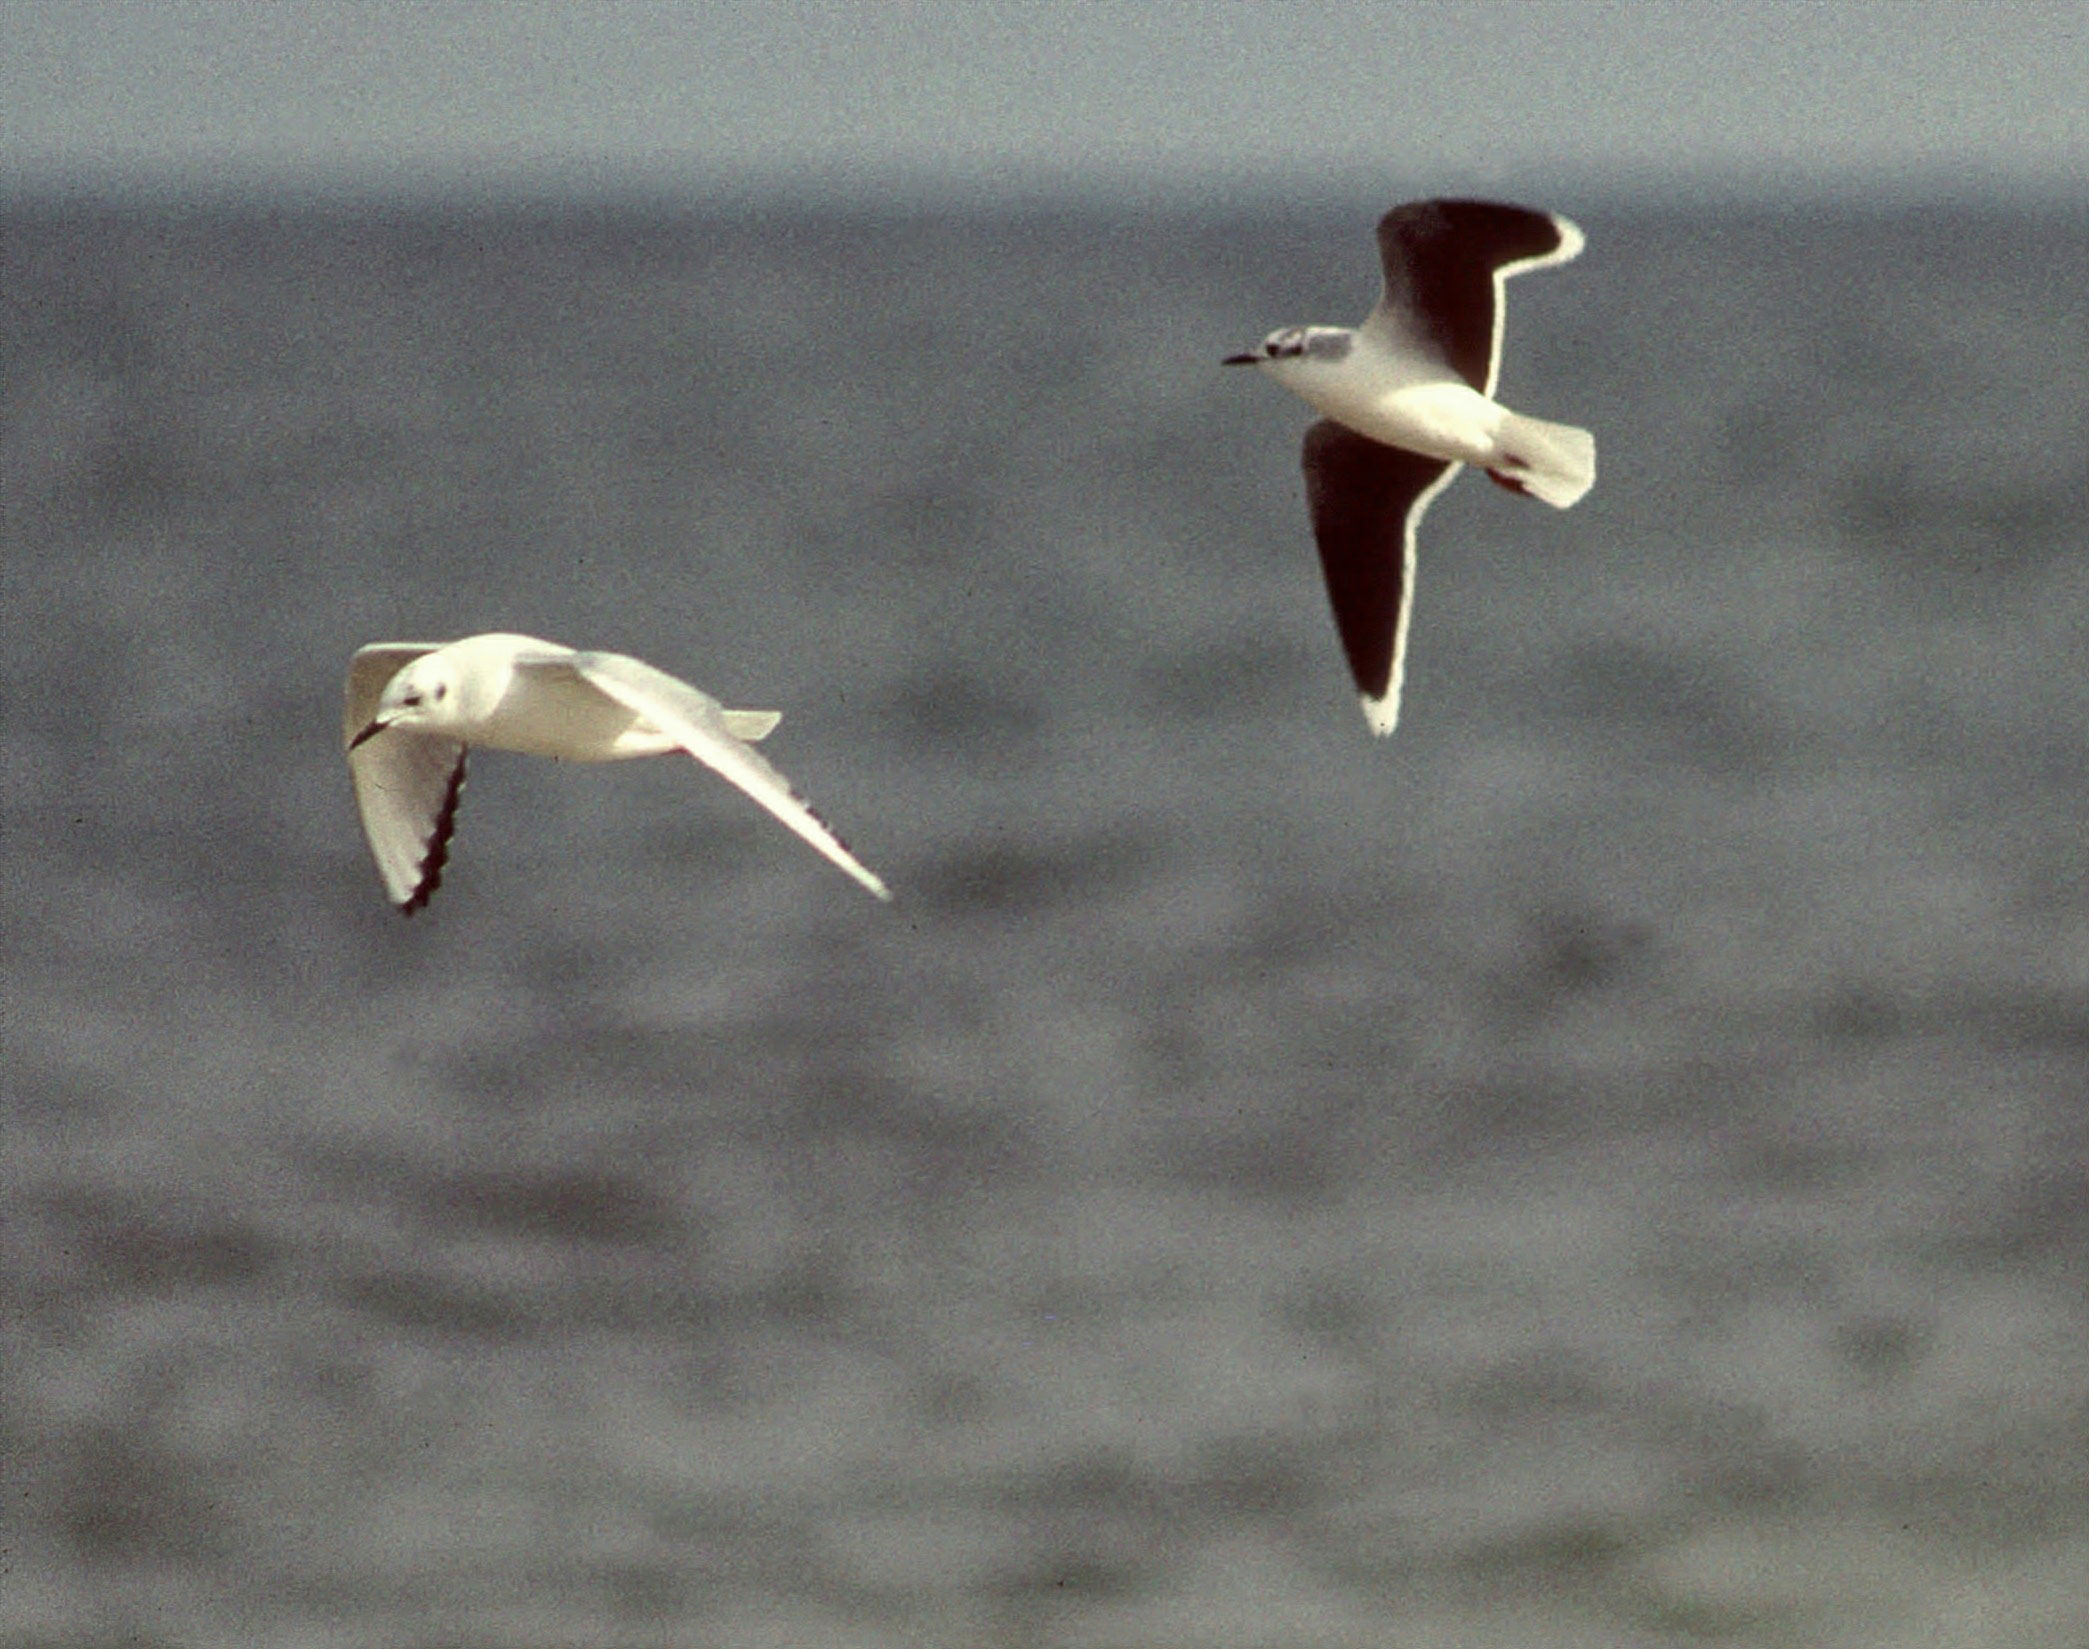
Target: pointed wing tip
{"x":869,"y":879}
{"x":431,"y":879}
{"x":1383,"y":714}
{"x":1571,"y":239}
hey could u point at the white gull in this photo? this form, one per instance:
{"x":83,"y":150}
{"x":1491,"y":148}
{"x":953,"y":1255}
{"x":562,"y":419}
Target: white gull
{"x":414,"y":708}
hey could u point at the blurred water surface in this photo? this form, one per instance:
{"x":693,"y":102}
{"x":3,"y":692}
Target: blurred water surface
{"x":1609,"y":1165}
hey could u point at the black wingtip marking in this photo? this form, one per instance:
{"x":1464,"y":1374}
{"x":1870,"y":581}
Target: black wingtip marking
{"x":439,"y":844}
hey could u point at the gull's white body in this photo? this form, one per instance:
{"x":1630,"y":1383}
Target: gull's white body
{"x":1382,"y":388}
{"x":414,"y":708}
{"x":1389,"y":393}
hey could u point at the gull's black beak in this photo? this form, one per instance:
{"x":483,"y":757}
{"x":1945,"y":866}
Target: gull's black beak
{"x":1248,"y":359}
{"x":370,"y":732}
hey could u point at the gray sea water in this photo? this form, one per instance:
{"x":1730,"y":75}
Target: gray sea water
{"x":1607,"y":1166}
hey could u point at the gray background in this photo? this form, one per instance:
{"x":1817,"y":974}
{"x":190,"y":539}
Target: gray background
{"x":1607,"y":1166}
{"x":893,"y":92}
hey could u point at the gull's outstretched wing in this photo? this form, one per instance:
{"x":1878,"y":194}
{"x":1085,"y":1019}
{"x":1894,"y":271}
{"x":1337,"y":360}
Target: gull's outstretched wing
{"x":1366,"y":500}
{"x":1445,"y":262}
{"x":406,"y":784}
{"x":700,"y":725}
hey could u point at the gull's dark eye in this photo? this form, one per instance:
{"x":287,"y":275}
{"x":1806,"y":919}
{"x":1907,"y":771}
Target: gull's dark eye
{"x":441,"y":687}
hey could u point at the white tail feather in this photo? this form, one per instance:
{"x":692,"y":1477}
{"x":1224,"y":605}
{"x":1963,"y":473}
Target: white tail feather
{"x":1555,"y":462}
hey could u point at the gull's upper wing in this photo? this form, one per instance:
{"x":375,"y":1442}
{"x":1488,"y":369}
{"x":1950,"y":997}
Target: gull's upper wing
{"x":697,"y":722}
{"x":1445,"y":261}
{"x":406,"y":784}
{"x":1366,"y":499}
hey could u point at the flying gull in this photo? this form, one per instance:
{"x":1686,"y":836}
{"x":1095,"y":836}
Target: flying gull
{"x":1406,"y":399}
{"x":414,"y":708}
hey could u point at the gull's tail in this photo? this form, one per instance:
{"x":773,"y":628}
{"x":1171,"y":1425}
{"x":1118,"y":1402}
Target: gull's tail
{"x":1555,"y":462}
{"x":752,"y":725}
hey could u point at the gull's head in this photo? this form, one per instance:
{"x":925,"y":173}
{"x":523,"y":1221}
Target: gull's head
{"x":1292,"y":346}
{"x":423,"y":696}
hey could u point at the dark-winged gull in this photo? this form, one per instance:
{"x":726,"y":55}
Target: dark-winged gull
{"x":1406,"y":399}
